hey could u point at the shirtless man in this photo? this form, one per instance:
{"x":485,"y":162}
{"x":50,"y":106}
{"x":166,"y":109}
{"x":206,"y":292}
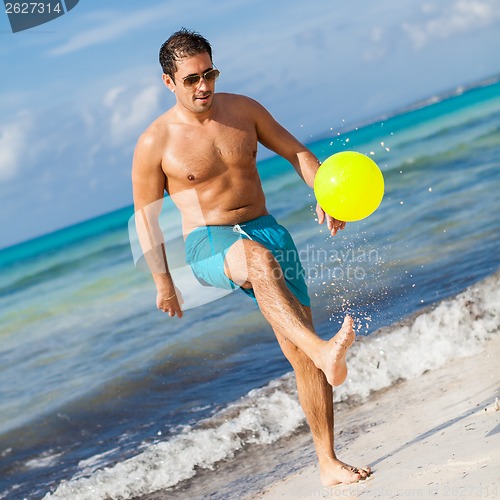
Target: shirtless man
{"x":202,"y":152}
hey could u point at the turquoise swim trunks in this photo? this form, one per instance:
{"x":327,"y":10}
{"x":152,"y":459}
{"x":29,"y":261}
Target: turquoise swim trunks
{"x":206,"y":249}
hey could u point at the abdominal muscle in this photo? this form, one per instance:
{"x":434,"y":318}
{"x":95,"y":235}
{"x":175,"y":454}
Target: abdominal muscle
{"x":224,"y":200}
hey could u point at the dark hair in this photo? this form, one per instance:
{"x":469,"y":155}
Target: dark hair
{"x":181,"y":44}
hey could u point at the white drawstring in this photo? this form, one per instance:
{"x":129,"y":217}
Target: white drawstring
{"x":237,"y":229}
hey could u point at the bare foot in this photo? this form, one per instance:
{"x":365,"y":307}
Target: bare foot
{"x":338,"y":472}
{"x":333,"y":363}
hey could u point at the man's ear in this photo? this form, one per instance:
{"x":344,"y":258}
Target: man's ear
{"x":169,"y":82}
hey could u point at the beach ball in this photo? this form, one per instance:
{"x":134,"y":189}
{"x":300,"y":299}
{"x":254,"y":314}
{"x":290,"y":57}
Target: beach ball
{"x":349,"y":186}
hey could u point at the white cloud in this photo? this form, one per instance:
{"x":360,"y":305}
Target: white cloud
{"x":109,"y":26}
{"x":131,"y":110}
{"x":376,"y":47}
{"x":461,"y":17}
{"x":112,"y":95}
{"x":115,"y":26}
{"x":13,"y":146}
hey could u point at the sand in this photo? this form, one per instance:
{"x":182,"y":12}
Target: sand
{"x":434,"y":436}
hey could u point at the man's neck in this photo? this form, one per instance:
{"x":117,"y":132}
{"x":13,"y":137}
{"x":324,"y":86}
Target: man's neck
{"x":193,"y":117}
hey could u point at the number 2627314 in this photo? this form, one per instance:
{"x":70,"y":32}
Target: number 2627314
{"x":32,"y":8}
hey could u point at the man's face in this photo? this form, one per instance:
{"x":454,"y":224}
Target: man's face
{"x":199,"y":97}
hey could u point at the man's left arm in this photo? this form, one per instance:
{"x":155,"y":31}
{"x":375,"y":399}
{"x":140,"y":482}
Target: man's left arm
{"x":276,"y":138}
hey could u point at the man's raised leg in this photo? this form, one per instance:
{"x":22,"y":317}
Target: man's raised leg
{"x":250,"y":264}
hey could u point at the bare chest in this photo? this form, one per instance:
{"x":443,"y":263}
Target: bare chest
{"x":194,"y":156}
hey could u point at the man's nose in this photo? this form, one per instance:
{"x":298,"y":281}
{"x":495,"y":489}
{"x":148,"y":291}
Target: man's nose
{"x":203,"y":84}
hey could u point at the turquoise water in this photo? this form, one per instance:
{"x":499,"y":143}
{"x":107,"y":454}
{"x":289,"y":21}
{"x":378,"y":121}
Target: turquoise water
{"x":91,"y":373}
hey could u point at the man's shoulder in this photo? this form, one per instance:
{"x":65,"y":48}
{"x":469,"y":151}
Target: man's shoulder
{"x":156,"y":132}
{"x":239,"y":102}
{"x":239,"y":99}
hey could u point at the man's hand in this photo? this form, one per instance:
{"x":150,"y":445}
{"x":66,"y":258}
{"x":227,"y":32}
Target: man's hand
{"x":170,"y":301}
{"x":333,"y":224}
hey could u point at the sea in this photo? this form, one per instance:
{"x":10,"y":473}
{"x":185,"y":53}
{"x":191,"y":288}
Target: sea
{"x":102,"y":396}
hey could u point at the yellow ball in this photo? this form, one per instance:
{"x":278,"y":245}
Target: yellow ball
{"x":349,"y":186}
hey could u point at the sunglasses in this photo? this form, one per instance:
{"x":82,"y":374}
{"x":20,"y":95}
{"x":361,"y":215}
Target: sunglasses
{"x":209,"y":76}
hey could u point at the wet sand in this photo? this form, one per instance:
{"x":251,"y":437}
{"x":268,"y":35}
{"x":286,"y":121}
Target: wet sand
{"x":434,"y":436}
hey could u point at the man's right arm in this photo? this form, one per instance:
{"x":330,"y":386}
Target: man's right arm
{"x":148,"y":182}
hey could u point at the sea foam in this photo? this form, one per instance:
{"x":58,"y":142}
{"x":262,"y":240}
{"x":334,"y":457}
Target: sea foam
{"x":453,"y":328}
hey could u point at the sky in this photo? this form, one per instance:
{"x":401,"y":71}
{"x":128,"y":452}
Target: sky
{"x":76,"y":93}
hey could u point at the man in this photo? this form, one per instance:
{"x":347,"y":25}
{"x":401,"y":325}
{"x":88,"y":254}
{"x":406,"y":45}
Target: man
{"x":203,"y":152}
